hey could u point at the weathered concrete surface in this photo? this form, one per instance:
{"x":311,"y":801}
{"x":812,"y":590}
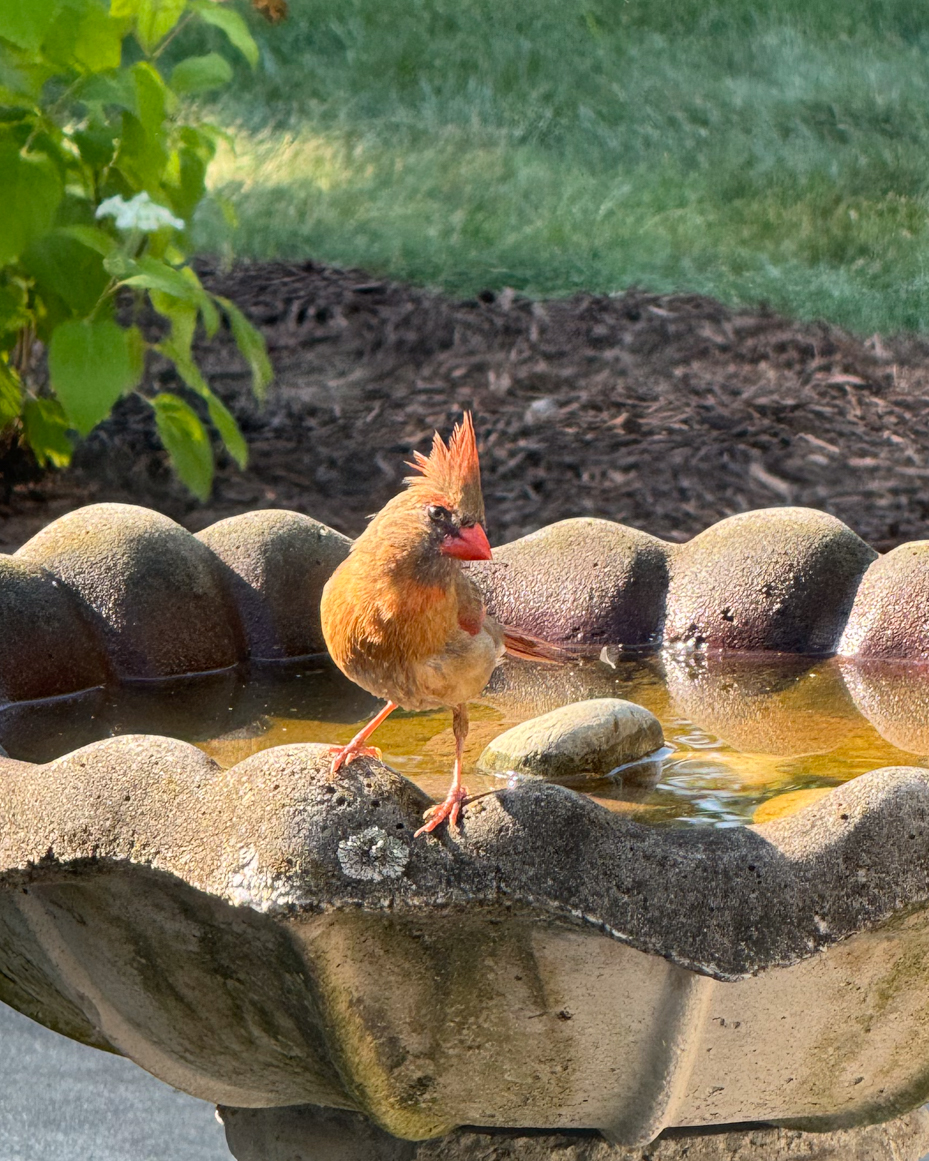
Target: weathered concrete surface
{"x":890,"y":617}
{"x":149,"y":588}
{"x":307,"y":1133}
{"x":579,"y":742}
{"x":781,"y":579}
{"x":133,"y":595}
{"x":262,"y":936}
{"x":583,"y":582}
{"x":162,"y":802}
{"x":276,"y":564}
{"x":47,"y":648}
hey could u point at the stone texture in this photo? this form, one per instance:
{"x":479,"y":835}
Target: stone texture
{"x":47,"y":648}
{"x":150,"y":589}
{"x":261,"y":936}
{"x":130,"y":594}
{"x":306,"y":1133}
{"x":576,"y":743}
{"x":276,"y":564}
{"x":890,"y":617}
{"x":780,"y":579}
{"x":582,"y":582}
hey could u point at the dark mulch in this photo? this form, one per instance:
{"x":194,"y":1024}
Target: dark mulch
{"x":666,"y":412}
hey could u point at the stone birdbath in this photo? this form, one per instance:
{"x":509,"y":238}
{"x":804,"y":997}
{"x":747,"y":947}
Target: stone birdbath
{"x":554,"y":978}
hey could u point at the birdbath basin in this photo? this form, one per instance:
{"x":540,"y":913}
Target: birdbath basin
{"x":181,"y":882}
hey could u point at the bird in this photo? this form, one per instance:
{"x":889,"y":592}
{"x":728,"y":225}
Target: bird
{"x":401,"y":618}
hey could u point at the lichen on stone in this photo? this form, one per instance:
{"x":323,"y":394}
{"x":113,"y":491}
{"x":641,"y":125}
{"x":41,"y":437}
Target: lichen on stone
{"x":373,"y":854}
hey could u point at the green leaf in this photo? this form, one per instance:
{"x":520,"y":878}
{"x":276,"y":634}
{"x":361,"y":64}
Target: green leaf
{"x":182,"y":316}
{"x":186,"y":441}
{"x":85,"y":37}
{"x":152,"y":274}
{"x":61,"y":263}
{"x":25,"y":22}
{"x":91,"y":237}
{"x":96,"y":144}
{"x":137,"y":348}
{"x":152,"y":97}
{"x":46,"y":426}
{"x":177,"y":349}
{"x":152,"y":19}
{"x":143,"y":151}
{"x":99,"y":43}
{"x":91,"y":364}
{"x":210,"y":316}
{"x":252,"y":345}
{"x":11,"y":395}
{"x":186,"y":367}
{"x":190,"y":186}
{"x":99,"y":92}
{"x":30,"y":190}
{"x":119,"y":264}
{"x":224,"y":422}
{"x":200,"y":74}
{"x":222,"y":16}
{"x":14,"y":307}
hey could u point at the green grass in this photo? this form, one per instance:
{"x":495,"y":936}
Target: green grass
{"x":756,"y":151}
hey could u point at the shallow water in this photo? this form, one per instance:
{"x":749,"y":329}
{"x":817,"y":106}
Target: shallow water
{"x":740,"y":729}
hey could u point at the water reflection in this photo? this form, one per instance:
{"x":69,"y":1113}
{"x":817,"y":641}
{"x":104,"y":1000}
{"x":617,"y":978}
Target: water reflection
{"x":894,"y":697}
{"x":741,"y":730}
{"x":781,"y":704}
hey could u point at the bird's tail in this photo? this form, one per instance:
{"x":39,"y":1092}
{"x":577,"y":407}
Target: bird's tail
{"x":520,"y":644}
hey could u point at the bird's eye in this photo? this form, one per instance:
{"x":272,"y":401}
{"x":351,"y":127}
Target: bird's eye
{"x":439,"y":514}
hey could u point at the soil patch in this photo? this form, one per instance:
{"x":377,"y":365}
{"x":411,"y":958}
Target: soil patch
{"x":666,"y":412}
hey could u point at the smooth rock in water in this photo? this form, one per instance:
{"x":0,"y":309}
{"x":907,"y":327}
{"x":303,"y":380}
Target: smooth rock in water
{"x":585,"y":740}
{"x":150,"y":589}
{"x":276,"y":564}
{"x":779,"y":579}
{"x":890,"y":618}
{"x":47,"y":648}
{"x":582,"y":581}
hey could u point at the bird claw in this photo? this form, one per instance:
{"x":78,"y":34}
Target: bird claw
{"x":449,"y":809}
{"x":345,"y":755}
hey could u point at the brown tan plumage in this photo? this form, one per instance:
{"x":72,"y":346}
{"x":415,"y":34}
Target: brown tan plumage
{"x":402,"y":619}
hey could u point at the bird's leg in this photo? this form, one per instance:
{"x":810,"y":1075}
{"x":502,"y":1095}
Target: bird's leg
{"x":450,"y":808}
{"x":356,"y":748}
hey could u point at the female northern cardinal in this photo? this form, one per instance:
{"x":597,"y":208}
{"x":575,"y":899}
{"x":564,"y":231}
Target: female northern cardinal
{"x":401,"y":618}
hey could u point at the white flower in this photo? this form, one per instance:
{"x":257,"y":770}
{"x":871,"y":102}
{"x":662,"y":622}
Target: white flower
{"x":140,"y":213}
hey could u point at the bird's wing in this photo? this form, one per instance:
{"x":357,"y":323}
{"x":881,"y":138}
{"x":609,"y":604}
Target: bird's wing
{"x":520,"y":644}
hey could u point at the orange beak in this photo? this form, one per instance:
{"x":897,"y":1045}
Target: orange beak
{"x":470,"y":544}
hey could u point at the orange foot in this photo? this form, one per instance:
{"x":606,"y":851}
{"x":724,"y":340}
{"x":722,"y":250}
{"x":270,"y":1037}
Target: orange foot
{"x":449,"y":809}
{"x":344,"y":755}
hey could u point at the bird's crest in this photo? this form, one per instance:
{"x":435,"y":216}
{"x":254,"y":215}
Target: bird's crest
{"x":452,"y":473}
